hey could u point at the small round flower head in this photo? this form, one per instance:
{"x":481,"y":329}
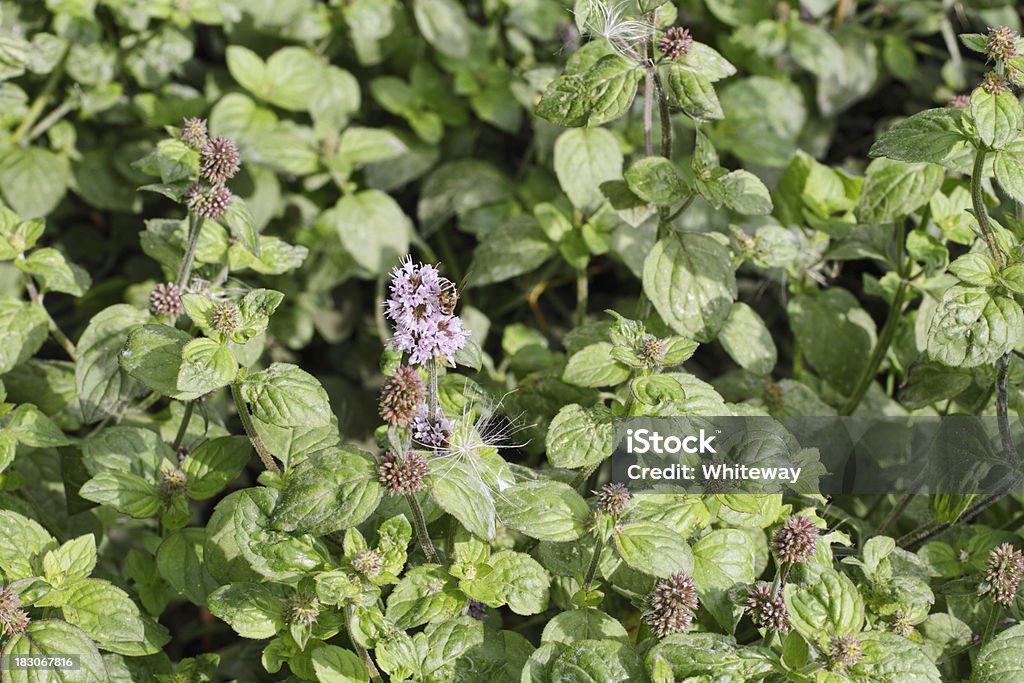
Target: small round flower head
{"x":193,"y":132}
{"x":422,"y":328}
{"x":477,"y":610}
{"x":796,"y":540}
{"x":209,"y":203}
{"x":676,"y":42}
{"x":172,"y":484}
{"x":994,"y":84}
{"x":901,"y":624}
{"x":434,"y":433}
{"x":1001,"y":43}
{"x":165,"y":299}
{"x":1003,"y":570}
{"x":401,"y":396}
{"x":367,"y":562}
{"x":670,"y":606}
{"x":303,"y":610}
{"x":612,"y":498}
{"x":219,"y":160}
{"x":843,"y":653}
{"x":9,"y":601}
{"x":224,"y":318}
{"x":403,"y":475}
{"x":767,"y":609}
{"x":960,"y":102}
{"x":651,"y":351}
{"x":16,"y":623}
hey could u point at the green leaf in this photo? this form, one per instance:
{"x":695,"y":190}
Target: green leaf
{"x":580,"y":437}
{"x":372,"y":228}
{"x":583,"y":160}
{"x":888,"y":656}
{"x":54,"y":273}
{"x":206,"y":365}
{"x":999,"y":659}
{"x":997,"y":117}
{"x":445,"y":26}
{"x":125,"y":448}
{"x":518,"y":247}
{"x":933,"y":136}
{"x":829,"y":606}
{"x":893,"y":189}
{"x":102,"y":610}
{"x":839,"y":357}
{"x":102,"y":385}
{"x":288,"y":79}
{"x":1009,"y":170}
{"x":23,"y":329}
{"x":30,"y":426}
{"x":745,"y":193}
{"x":590,"y":661}
{"x":762,"y":120}
{"x":972,"y":327}
{"x":975,"y":268}
{"x":334,"y":664}
{"x":690,"y":280}
{"x":519,"y":581}
{"x":253,"y":610}
{"x":653,"y":549}
{"x":748,"y":340}
{"x":274,"y":554}
{"x":426,"y":594}
{"x":56,"y":638}
{"x":287,"y":396}
{"x":180,"y":562}
{"x":459,"y":488}
{"x":16,"y":235}
{"x":600,"y":95}
{"x":152,"y":355}
{"x":447,"y":641}
{"x":331,"y":490}
{"x":657,"y":180}
{"x":723,"y":559}
{"x":588,"y":623}
{"x":215,"y":464}
{"x":172,"y":160}
{"x":22,"y":541}
{"x":33,"y":180}
{"x":594,"y":366}
{"x":125,"y":492}
{"x":545,"y":510}
{"x":693,"y":93}
{"x":73,"y":560}
{"x":239,"y":220}
{"x":738,"y":12}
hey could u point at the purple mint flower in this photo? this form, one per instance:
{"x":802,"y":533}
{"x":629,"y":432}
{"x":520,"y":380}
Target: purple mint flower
{"x":431,"y":432}
{"x":422,"y":328}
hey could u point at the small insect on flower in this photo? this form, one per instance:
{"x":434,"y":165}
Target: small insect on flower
{"x":165,"y":299}
{"x":672,"y":604}
{"x":796,"y":540}
{"x":448,"y":297}
{"x":220,"y":160}
{"x":768,"y":609}
{"x":1003,"y":571}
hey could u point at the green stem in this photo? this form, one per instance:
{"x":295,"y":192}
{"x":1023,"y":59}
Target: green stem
{"x":885,"y":339}
{"x":433,"y":398}
{"x":52,"y":118}
{"x":363,"y":653}
{"x":250,"y":430}
{"x":902,"y":505}
{"x":592,"y":569}
{"x":665,"y":117}
{"x":995,"y":617}
{"x":55,"y":331}
{"x":981,"y":213}
{"x":420,"y":524}
{"x":195,"y":228}
{"x":39,"y":103}
{"x":183,"y":427}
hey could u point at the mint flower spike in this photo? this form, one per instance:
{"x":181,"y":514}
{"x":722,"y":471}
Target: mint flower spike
{"x":219,"y":160}
{"x":1004,"y":570}
{"x":401,"y":396}
{"x":672,"y":604}
{"x":1001,"y":43}
{"x":403,"y":474}
{"x":165,"y":299}
{"x":209,"y":203}
{"x":768,"y":609}
{"x":676,"y":43}
{"x":422,"y":327}
{"x":193,"y":132}
{"x":796,"y":540}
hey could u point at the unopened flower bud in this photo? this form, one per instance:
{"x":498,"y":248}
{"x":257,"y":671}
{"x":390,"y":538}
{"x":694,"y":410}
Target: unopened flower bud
{"x":796,"y":540}
{"x":403,"y":475}
{"x":367,"y":562}
{"x":401,"y":396}
{"x":220,"y":160}
{"x":224,"y":318}
{"x":994,"y":84}
{"x":165,"y":299}
{"x":843,"y":653}
{"x":671,"y":605}
{"x":1003,"y":570}
{"x":193,"y":132}
{"x":303,"y":610}
{"x":172,"y":484}
{"x":676,"y":43}
{"x":612,"y":498}
{"x":767,"y":609}
{"x":209,"y":203}
{"x":1001,"y":43}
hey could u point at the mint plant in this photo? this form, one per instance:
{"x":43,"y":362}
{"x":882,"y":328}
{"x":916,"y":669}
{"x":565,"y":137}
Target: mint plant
{"x":319,"y":323}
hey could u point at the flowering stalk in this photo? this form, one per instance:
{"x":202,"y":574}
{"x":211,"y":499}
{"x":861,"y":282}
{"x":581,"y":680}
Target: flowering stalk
{"x":183,"y":427}
{"x":422,"y":534}
{"x":195,"y":228}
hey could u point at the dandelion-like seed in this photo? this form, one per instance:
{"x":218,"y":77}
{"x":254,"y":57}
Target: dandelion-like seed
{"x":165,"y":299}
{"x":671,"y":605}
{"x":403,"y":475}
{"x":16,"y":623}
{"x":995,"y":84}
{"x":676,"y":43}
{"x":303,"y":610}
{"x":422,"y":327}
{"x":172,"y":484}
{"x":1001,"y":43}
{"x":960,"y":102}
{"x":843,"y":653}
{"x":219,"y":160}
{"x":612,"y":498}
{"x":367,"y":562}
{"x":1004,"y":570}
{"x":401,"y":396}
{"x":768,"y":609}
{"x":209,"y":203}
{"x":224,"y":318}
{"x":796,"y":540}
{"x":607,"y":20}
{"x":193,"y":132}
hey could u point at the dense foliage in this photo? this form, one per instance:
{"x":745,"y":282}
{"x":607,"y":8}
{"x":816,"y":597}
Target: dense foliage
{"x":315,"y":319}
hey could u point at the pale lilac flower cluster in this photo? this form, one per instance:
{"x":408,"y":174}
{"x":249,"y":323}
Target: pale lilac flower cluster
{"x":422,"y":328}
{"x":431,"y":432}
